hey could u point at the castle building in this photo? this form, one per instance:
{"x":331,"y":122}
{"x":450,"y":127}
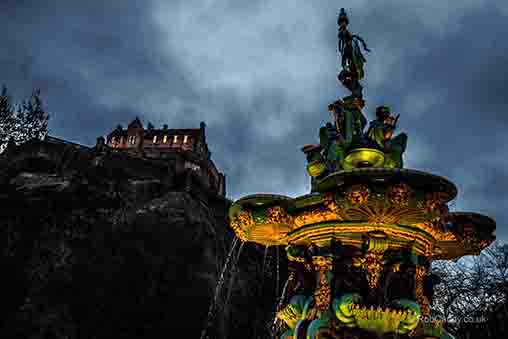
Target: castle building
{"x":186,"y":147}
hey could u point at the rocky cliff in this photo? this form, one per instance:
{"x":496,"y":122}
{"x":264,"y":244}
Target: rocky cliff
{"x":98,"y":244}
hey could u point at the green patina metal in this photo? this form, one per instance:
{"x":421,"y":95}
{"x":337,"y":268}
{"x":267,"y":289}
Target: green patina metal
{"x":360,"y":245}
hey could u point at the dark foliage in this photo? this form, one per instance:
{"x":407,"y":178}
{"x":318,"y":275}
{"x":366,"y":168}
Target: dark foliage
{"x":22,"y":122}
{"x":472,"y":297}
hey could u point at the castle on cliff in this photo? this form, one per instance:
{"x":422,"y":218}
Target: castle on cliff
{"x":186,"y":147}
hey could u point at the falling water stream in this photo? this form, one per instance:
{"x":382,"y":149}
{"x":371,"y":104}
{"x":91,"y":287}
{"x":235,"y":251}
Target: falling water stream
{"x":282,"y":298}
{"x":264,"y":262}
{"x":234,"y":271}
{"x":277,"y":283}
{"x":263,"y":269}
{"x":225,"y":281}
{"x":218,"y":287}
{"x":279,"y":305}
{"x":273,"y":325}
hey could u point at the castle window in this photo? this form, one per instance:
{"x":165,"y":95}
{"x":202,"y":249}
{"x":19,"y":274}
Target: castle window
{"x":185,"y":137}
{"x":113,"y":140}
{"x":121,"y":140}
{"x":175,"y":139}
{"x":165,"y":139}
{"x":154,"y":139}
{"x":132,"y":139}
{"x":191,"y":166}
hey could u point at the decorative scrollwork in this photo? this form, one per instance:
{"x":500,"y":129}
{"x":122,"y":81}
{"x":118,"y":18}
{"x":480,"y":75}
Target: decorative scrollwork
{"x":240,"y":222}
{"x":323,"y":293}
{"x":383,"y":219}
{"x":357,"y":194}
{"x":434,"y":202}
{"x":322,"y":263}
{"x":420,"y":297}
{"x":290,"y":315}
{"x":278,"y":215}
{"x":374,"y":264}
{"x":395,"y":267}
{"x":315,"y":216}
{"x":399,"y":194}
{"x":332,"y":206}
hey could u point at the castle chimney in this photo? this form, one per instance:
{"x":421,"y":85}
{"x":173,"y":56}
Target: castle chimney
{"x":202,"y":127}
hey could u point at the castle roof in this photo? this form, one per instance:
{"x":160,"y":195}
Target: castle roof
{"x":136,"y":123}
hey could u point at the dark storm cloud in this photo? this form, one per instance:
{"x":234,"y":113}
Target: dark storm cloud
{"x":96,"y":62}
{"x":261,"y":73}
{"x":463,"y":74}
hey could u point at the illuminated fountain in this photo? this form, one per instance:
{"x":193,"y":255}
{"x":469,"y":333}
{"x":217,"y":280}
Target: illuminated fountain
{"x":360,"y":245}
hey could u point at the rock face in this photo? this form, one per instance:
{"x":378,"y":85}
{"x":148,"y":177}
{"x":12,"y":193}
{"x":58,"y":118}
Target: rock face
{"x":102,"y":245}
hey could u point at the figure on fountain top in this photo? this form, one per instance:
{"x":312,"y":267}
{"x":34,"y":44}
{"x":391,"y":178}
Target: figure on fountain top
{"x":380,"y":135}
{"x":352,"y":57}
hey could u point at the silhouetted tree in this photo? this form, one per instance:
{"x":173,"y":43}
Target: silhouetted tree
{"x":32,"y":120}
{"x":472,"y":297}
{"x":7,"y":119}
{"x":22,"y":122}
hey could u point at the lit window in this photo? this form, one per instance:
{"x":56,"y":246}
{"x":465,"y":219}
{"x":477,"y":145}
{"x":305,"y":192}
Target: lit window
{"x":185,"y":139}
{"x":154,"y":139}
{"x":175,"y":139}
{"x":113,"y":140}
{"x":165,"y":139}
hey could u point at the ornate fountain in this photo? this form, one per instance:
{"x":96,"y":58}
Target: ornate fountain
{"x":360,"y":245}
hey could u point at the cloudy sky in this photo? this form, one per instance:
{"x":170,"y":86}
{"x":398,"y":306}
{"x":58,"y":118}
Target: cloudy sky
{"x":260,"y":73}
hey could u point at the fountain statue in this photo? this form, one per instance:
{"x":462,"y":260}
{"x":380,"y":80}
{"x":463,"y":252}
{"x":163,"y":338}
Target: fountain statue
{"x":361,"y":243}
